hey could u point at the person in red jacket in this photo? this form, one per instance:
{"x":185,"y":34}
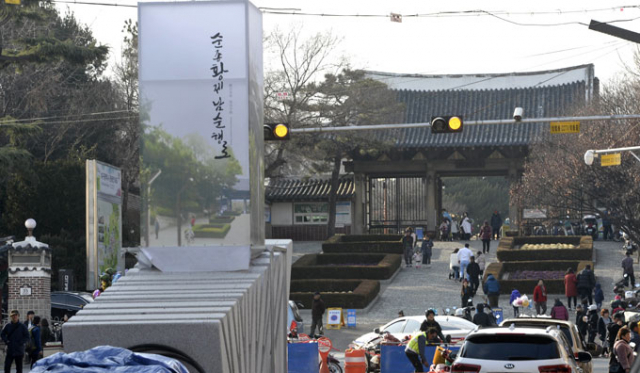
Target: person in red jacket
{"x":559,"y":311}
{"x":571,"y":288}
{"x":540,"y":298}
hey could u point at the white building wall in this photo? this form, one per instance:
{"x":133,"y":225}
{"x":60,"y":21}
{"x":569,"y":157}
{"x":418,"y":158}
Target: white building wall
{"x":282,"y":213}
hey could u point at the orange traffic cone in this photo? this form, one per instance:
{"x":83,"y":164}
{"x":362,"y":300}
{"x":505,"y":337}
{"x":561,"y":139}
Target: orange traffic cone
{"x":355,"y":361}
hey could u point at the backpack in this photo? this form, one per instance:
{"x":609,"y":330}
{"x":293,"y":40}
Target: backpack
{"x":31,"y":343}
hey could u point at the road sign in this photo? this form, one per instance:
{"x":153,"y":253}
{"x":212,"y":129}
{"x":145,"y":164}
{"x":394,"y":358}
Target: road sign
{"x":565,"y":127}
{"x":280,"y":96}
{"x":335,"y":318}
{"x":610,"y":159}
{"x":351,"y":318}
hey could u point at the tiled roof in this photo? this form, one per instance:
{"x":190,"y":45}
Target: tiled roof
{"x":312,"y":189}
{"x":484,"y":105}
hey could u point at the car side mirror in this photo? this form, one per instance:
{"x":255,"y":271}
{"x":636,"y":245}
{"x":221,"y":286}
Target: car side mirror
{"x":583,"y":357}
{"x":376,"y":330}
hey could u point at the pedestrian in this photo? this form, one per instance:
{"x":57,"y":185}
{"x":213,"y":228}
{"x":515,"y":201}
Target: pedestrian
{"x":627,"y":269}
{"x":473,"y":273}
{"x":496,"y":224}
{"x":485,"y":236}
{"x":157,"y":227}
{"x":603,"y":322}
{"x":29,"y":321}
{"x":466,"y":227}
{"x":414,"y":237}
{"x":466,"y":293}
{"x":455,"y":230}
{"x":14,"y":334}
{"x":614,"y":328}
{"x":464,"y":257}
{"x":592,"y":322}
{"x":36,"y":346}
{"x":559,"y":311}
{"x":454,"y":266}
{"x":586,"y":283}
{"x":515,"y":294}
{"x":415,"y":348}
{"x":401,"y":313}
{"x":622,"y":354}
{"x":431,"y":323}
{"x":427,"y":249}
{"x":635,"y":337}
{"x":446,"y":215}
{"x":317,"y":310}
{"x":481,"y":318}
{"x":481,"y":262}
{"x":492,"y":290}
{"x":570,"y":287}
{"x":193,"y":220}
{"x":407,"y":247}
{"x":47,"y":335}
{"x":444,"y":230}
{"x":581,"y":320}
{"x":540,"y":298}
{"x":607,"y":232}
{"x":598,"y":295}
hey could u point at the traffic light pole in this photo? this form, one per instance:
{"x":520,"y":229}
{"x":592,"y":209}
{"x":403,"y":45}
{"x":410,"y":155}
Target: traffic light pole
{"x":466,"y":123}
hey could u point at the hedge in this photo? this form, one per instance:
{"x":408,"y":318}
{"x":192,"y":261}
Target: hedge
{"x":527,"y":286}
{"x":391,"y":244}
{"x":211,"y":230}
{"x":221,"y":220}
{"x":327,"y":266}
{"x":231,"y":213}
{"x":362,"y":292}
{"x":507,"y":251}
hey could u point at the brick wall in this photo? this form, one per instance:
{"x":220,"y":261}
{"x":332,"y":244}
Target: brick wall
{"x":39,"y":301}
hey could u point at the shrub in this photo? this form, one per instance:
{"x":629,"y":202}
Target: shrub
{"x":211,"y":230}
{"x":527,"y":286}
{"x":231,"y":213}
{"x":335,"y":293}
{"x":164,"y":211}
{"x":508,"y":248}
{"x":221,"y":220}
{"x":327,"y":266}
{"x":337,"y":244}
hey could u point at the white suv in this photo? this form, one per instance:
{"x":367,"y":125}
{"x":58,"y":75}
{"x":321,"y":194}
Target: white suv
{"x":517,"y":350}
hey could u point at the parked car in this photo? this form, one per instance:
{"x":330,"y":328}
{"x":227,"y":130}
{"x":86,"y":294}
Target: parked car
{"x":516,"y":349}
{"x":456,"y":327}
{"x":68,"y":302}
{"x":293,"y":314}
{"x":569,"y":329}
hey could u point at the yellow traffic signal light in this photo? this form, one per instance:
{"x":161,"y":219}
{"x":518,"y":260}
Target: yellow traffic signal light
{"x":446,"y":124}
{"x":276,"y":131}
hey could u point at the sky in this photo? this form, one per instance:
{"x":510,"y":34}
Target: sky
{"x":447,"y":39}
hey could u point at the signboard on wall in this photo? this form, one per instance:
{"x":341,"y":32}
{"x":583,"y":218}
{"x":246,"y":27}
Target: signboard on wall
{"x":201,"y":91}
{"x":343,"y":213}
{"x":534,"y":213}
{"x":104,"y":219}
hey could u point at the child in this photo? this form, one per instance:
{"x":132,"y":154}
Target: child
{"x":598,"y":296}
{"x":427,"y":246}
{"x":515,"y":294}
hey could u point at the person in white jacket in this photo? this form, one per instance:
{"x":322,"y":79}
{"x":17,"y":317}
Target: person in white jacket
{"x":454,"y":266}
{"x":466,"y":227}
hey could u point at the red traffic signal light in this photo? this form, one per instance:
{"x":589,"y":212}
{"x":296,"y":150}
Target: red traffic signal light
{"x":447,"y":124}
{"x":276,"y":131}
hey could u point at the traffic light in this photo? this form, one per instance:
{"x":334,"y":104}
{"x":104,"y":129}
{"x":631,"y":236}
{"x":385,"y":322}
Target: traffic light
{"x":276,"y":131}
{"x":446,"y":124}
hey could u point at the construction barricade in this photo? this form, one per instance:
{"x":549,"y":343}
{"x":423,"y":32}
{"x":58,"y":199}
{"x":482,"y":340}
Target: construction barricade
{"x":394,"y":360}
{"x":303,"y":357}
{"x":355,"y":361}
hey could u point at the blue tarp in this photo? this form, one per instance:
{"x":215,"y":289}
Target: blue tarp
{"x":108,"y":359}
{"x":303,"y":357}
{"x":394,"y":360}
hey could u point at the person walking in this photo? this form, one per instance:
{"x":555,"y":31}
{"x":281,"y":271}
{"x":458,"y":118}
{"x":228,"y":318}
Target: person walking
{"x":496,"y":224}
{"x":485,"y":236}
{"x":581,"y":320}
{"x":492,"y":290}
{"x":598,"y":295}
{"x":464,"y":257}
{"x":570,"y":287}
{"x":481,"y":318}
{"x":614,"y":328}
{"x":466,"y":293}
{"x":607,"y":232}
{"x":444,"y":230}
{"x":431,"y":322}
{"x":466,"y":227}
{"x":635,"y":337}
{"x":29,"y":321}
{"x":36,"y":349}
{"x":407,"y":247}
{"x":592,"y":322}
{"x":586,"y":283}
{"x":156,"y":225}
{"x":627,"y":269}
{"x":455,"y":230}
{"x":14,"y":334}
{"x":622,"y":354}
{"x":317,"y":310}
{"x":427,"y":249}
{"x":540,"y":298}
{"x":454,"y":266}
{"x":480,"y":259}
{"x":559,"y":311}
{"x":603,"y":322}
{"x":473,"y":272}
{"x":47,"y":335}
{"x":515,"y":294}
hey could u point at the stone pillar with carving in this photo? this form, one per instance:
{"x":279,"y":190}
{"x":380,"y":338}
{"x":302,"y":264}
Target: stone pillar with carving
{"x":29,"y":280}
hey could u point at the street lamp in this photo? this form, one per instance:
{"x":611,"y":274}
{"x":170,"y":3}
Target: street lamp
{"x":30,"y":224}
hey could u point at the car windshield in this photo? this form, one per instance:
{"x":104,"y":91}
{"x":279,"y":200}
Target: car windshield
{"x":396,"y":327}
{"x":412,"y":326}
{"x":510,"y":347}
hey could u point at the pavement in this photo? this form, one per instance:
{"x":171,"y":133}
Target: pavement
{"x":414,"y":290}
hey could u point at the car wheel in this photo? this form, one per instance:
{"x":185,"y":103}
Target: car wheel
{"x":334,"y":368}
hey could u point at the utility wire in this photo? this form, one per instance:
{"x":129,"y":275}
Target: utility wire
{"x":11,"y":121}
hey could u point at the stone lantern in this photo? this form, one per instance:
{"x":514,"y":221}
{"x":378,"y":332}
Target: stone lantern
{"x":29,"y":279}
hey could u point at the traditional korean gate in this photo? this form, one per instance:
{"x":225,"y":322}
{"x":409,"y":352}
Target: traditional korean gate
{"x":395,"y":203}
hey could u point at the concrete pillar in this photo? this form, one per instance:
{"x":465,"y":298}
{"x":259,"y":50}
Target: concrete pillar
{"x":432,"y":199}
{"x":359,"y":208}
{"x":29,"y":281}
